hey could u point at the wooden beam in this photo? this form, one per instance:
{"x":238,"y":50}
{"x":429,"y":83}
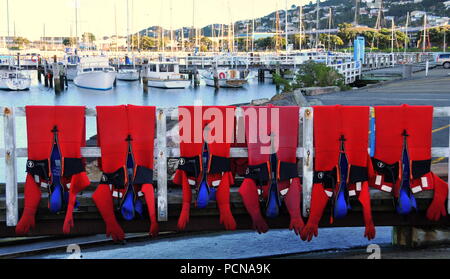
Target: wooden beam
{"x":161,"y":132}
{"x":307,"y":119}
{"x":12,"y":208}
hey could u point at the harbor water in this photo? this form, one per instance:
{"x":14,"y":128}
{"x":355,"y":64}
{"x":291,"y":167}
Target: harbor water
{"x":123,"y":93}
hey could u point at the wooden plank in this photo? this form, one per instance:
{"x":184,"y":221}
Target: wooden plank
{"x":12,"y":208}
{"x":448,"y":168}
{"x":161,"y":132}
{"x":306,"y":116}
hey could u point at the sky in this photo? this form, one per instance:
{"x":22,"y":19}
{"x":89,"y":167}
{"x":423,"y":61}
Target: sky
{"x":98,"y":16}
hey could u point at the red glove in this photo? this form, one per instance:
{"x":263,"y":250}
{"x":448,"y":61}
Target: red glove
{"x":437,"y":207}
{"x":292,"y":201}
{"x":181,"y":179}
{"x":32,"y":199}
{"x":104,"y":202}
{"x":223,"y":201}
{"x":149,"y":194}
{"x":319,"y":200}
{"x":364,"y":199}
{"x":78,"y":183}
{"x":249,"y":194}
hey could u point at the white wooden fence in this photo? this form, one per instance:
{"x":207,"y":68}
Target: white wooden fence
{"x":162,"y":152}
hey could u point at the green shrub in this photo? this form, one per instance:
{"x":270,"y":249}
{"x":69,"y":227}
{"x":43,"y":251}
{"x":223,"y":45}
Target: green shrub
{"x":312,"y":74}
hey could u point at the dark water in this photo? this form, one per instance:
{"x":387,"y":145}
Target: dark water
{"x":123,"y":93}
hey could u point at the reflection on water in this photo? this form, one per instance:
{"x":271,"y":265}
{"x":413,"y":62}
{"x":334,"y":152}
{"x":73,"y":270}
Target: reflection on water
{"x":123,"y":93}
{"x":132,"y":93}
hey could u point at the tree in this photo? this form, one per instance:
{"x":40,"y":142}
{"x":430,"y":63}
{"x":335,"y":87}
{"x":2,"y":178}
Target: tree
{"x":21,"y":42}
{"x":347,"y":33}
{"x":88,"y":37}
{"x":330,"y":42}
{"x":69,"y":41}
{"x":437,"y":35}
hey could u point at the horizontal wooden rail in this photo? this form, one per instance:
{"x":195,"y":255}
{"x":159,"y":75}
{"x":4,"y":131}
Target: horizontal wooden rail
{"x":163,"y":152}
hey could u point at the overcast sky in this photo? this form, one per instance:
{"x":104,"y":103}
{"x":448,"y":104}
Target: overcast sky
{"x":98,"y":16}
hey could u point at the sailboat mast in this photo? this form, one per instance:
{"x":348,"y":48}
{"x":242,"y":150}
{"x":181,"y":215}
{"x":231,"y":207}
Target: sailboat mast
{"x":317,"y":23}
{"x":253,"y":25}
{"x":76,"y":23}
{"x":128,"y":27}
{"x":424,"y":32}
{"x":329,"y":29}
{"x":392,"y":36}
{"x":7,"y":15}
{"x":406,"y":31}
{"x":286,"y":25}
{"x":300,"y":27}
{"x":171,"y":26}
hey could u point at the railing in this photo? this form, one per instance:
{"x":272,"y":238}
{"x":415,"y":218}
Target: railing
{"x":162,"y":152}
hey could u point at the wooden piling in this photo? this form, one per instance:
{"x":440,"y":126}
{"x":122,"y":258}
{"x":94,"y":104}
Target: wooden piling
{"x":56,"y":76}
{"x":145,"y":78}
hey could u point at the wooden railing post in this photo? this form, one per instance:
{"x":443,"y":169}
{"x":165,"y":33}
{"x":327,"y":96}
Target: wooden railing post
{"x":306,"y":116}
{"x":161,"y":132}
{"x":12,"y":207}
{"x":448,"y":167}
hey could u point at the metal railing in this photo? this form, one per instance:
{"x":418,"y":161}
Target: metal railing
{"x":162,"y":152}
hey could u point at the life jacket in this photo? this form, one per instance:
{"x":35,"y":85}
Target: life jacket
{"x":204,"y":164}
{"x":126,"y":139}
{"x":55,"y":137}
{"x":271,"y":176}
{"x":341,"y":163}
{"x":402,"y":157}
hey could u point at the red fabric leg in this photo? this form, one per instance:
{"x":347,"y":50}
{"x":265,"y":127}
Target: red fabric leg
{"x":149,"y":194}
{"x":104,"y":202}
{"x":78,"y":183}
{"x":249,"y":194}
{"x":364,"y":199}
{"x":32,"y":199}
{"x":319,"y":200}
{"x":293,"y":201}
{"x":223,"y":202}
{"x":437,"y":207}
{"x":181,"y":179}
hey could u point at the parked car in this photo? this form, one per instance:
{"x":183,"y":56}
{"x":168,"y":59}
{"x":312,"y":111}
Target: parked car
{"x":443,"y":59}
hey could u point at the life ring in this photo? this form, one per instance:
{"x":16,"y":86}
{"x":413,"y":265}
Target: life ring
{"x":222,"y":75}
{"x":34,"y":59}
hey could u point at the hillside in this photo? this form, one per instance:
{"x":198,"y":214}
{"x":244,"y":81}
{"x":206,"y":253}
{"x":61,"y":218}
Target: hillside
{"x":342,"y":11}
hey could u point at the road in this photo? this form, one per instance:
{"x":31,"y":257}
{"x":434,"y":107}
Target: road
{"x":433,"y":90}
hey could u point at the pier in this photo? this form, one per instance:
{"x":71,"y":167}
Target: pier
{"x":88,"y":220}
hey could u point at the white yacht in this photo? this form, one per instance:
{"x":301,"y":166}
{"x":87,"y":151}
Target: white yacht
{"x":95,"y":73}
{"x":125,"y":74}
{"x":228,"y":78}
{"x":166,"y":75}
{"x":15,"y":79}
{"x":71,"y":62}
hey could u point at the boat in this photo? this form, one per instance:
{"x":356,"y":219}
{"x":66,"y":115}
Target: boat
{"x":15,"y":79}
{"x":128,"y":71}
{"x":95,"y":73}
{"x":228,"y":78}
{"x":166,"y":75}
{"x":71,"y":62}
{"x":128,"y":74}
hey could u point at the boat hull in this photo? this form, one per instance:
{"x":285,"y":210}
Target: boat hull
{"x":169,"y":84}
{"x":227,"y":83}
{"x":15,"y":84}
{"x":95,"y":80}
{"x":132,"y":75}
